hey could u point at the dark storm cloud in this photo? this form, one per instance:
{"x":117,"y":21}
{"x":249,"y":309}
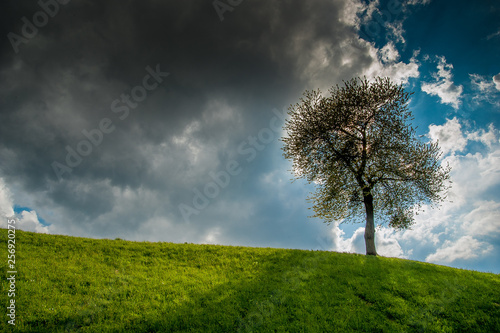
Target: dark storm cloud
{"x":224,"y":79}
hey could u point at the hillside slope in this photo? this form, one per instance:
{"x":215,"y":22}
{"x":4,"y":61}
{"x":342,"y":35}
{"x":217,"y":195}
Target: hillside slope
{"x":68,"y":284}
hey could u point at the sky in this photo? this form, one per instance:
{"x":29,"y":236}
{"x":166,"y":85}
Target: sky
{"x":161,"y":120}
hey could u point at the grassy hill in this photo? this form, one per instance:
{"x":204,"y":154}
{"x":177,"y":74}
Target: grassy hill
{"x":68,"y":284}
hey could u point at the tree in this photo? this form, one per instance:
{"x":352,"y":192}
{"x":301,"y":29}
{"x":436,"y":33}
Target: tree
{"x":359,"y":148}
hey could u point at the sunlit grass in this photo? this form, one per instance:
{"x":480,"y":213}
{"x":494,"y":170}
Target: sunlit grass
{"x":67,"y":284}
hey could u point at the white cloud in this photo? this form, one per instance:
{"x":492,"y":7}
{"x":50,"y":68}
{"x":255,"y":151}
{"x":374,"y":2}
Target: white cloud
{"x":486,"y":88}
{"x":28,"y":221}
{"x":386,"y":243}
{"x":496,"y":80}
{"x":481,"y":82}
{"x":465,"y":248}
{"x":388,"y":53}
{"x":449,"y":136}
{"x":384,"y":63}
{"x":350,"y":13}
{"x":443,"y":86}
{"x":430,"y":225}
{"x":340,"y":244}
{"x":488,"y":138}
{"x":474,"y":173}
{"x":357,"y":241}
{"x":367,"y":11}
{"x":396,"y":29}
{"x":484,"y":219}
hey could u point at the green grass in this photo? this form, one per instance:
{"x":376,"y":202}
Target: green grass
{"x":68,"y":284}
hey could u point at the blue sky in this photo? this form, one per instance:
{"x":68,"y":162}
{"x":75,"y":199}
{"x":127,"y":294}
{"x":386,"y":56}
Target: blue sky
{"x":161,"y":122}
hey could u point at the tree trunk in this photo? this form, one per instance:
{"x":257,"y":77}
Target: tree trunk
{"x":370,"y":226}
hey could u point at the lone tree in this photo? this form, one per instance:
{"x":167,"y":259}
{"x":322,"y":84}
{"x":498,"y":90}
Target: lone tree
{"x":359,"y":148}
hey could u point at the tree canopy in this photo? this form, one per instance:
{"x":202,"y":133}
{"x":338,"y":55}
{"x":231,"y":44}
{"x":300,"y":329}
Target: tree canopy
{"x":359,"y":147}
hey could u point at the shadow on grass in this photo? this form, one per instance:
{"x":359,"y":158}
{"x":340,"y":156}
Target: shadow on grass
{"x":271,"y":297}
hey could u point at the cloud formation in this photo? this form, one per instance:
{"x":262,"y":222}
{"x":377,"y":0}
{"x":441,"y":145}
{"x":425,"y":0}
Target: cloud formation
{"x":464,"y":248}
{"x":26,"y":220}
{"x":496,"y":81}
{"x":443,"y":85}
{"x":449,"y":136}
{"x":486,"y":88}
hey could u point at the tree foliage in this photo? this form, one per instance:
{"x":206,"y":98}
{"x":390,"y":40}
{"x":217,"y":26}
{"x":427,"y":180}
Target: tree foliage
{"x":360,"y":149}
